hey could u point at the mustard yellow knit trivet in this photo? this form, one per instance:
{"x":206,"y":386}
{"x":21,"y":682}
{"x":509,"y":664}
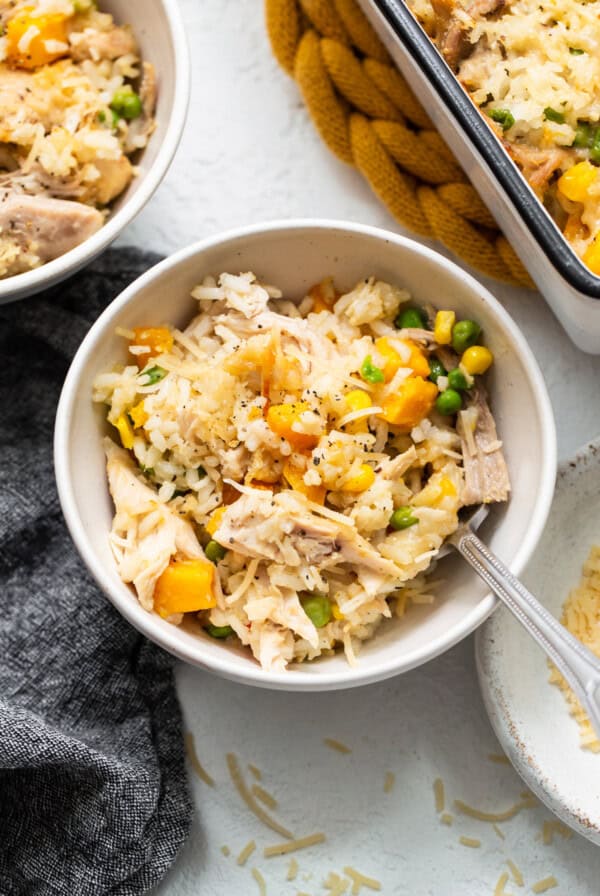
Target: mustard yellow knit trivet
{"x":368,"y":116}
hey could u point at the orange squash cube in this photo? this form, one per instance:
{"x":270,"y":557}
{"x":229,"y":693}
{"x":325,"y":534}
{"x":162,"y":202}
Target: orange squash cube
{"x":33,"y":41}
{"x":295,"y":479}
{"x":413,"y":401}
{"x":185,"y":587}
{"x":158,"y":339}
{"x":281,"y":418}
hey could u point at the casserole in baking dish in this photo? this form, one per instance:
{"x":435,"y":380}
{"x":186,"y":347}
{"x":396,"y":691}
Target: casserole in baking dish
{"x":570,"y":286}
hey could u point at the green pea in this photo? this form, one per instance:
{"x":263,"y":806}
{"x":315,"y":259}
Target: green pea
{"x":411,"y":318}
{"x":154,"y":375}
{"x":403,"y":518}
{"x":436,"y":368}
{"x":464,"y":334}
{"x":552,"y":115}
{"x":503,"y":117}
{"x":457,"y":380}
{"x":318,"y":608}
{"x":214,"y":551}
{"x":126,"y":103}
{"x":370,"y":372}
{"x":218,"y":631}
{"x":595,"y":148}
{"x":449,"y":402}
{"x":584,"y":135}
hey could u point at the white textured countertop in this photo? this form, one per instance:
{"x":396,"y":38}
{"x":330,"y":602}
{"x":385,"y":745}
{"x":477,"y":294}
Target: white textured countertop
{"x":251,"y":154}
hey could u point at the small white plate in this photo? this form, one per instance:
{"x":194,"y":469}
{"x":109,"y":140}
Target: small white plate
{"x":529,"y":715}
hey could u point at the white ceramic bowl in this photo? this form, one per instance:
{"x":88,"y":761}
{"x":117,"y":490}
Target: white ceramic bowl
{"x":528,"y":714}
{"x":159,"y":30}
{"x":294,"y":255}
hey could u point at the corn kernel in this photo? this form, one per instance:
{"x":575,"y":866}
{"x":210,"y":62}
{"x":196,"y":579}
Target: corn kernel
{"x":336,"y":612}
{"x":357,"y":400}
{"x":158,"y":339}
{"x":591,"y":256}
{"x":45,"y":30}
{"x":254,"y":413}
{"x":214,"y":521}
{"x":442,"y":331}
{"x":576,"y":182}
{"x":185,"y":587}
{"x":363,"y":480}
{"x":282,"y":417}
{"x":447,"y":489}
{"x":295,"y":479}
{"x":138,"y":415}
{"x":125,"y":430}
{"x":477,"y":359}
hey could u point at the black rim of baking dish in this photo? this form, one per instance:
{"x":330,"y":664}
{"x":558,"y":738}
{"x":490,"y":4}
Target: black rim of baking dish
{"x":525,"y":202}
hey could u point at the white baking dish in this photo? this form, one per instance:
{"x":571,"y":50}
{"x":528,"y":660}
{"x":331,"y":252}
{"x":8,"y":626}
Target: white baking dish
{"x":568,"y":286}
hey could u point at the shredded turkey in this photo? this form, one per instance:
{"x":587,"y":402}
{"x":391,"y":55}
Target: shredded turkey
{"x":486,"y":474}
{"x":145,"y":533}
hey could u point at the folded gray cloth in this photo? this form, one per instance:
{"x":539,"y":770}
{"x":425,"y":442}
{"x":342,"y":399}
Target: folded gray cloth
{"x":93,"y":791}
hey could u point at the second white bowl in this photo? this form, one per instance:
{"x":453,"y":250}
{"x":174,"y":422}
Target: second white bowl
{"x":294,"y":255}
{"x":159,"y":31}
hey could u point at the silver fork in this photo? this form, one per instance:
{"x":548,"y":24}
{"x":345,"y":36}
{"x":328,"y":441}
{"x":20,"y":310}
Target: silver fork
{"x":578,"y":665}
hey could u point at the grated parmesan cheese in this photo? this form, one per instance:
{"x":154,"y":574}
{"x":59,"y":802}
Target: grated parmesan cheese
{"x":550,"y":828}
{"x":388,"y":784}
{"x":265,"y":797}
{"x":246,"y":852}
{"x":336,"y":885}
{"x":262,"y":887}
{"x":438,"y":792}
{"x":499,"y":758}
{"x":465,"y":809}
{"x":238,"y":779}
{"x":336,"y":745}
{"x":188,"y":741}
{"x":516,"y":873}
{"x":25,"y":41}
{"x":471,"y":842}
{"x":281,"y":849}
{"x":360,"y":880}
{"x":499,"y":888}
{"x":581,"y":616}
{"x":292,"y":870}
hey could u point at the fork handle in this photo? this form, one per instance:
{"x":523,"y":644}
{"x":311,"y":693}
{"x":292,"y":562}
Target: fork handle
{"x":579,"y":666}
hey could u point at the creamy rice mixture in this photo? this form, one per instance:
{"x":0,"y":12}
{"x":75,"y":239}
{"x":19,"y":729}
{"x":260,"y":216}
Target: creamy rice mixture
{"x":533,"y":68}
{"x":76,"y":104}
{"x":287,"y":473}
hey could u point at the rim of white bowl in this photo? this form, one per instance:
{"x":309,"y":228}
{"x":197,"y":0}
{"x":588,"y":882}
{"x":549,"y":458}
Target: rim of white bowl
{"x":21,"y":285}
{"x":294,"y":680}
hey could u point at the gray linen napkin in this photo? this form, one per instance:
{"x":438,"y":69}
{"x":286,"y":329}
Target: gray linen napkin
{"x":93,"y":791}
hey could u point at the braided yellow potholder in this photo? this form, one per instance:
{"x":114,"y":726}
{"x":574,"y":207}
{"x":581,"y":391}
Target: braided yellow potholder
{"x":368,"y":116}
